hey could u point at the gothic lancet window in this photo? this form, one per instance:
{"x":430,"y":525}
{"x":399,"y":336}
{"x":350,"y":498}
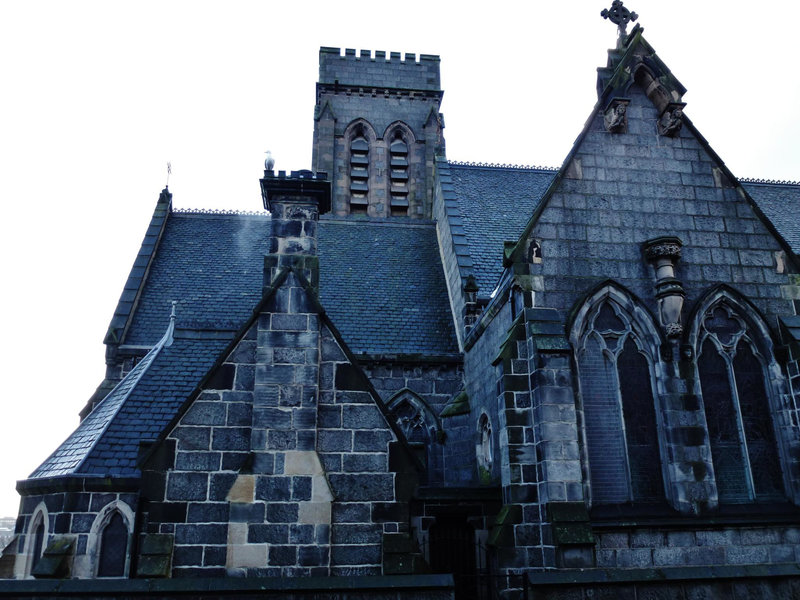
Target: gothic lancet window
{"x":113,"y":547}
{"x":733,"y":385}
{"x":38,"y":543}
{"x":619,"y":411}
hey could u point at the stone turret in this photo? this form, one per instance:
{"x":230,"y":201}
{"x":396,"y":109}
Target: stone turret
{"x":377,"y":129}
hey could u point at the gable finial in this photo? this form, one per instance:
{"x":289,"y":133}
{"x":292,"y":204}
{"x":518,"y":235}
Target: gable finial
{"x":620,"y":16}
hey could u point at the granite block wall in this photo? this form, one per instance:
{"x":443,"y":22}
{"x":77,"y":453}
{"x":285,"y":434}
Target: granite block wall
{"x":635,"y":186}
{"x":281,"y":465}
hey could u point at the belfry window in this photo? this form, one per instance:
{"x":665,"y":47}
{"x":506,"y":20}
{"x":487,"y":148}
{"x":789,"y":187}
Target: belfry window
{"x":733,"y":384}
{"x":113,"y":547}
{"x":398,"y":174}
{"x":359,"y":172}
{"x":619,"y":413}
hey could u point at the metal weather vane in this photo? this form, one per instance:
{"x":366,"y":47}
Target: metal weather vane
{"x":620,"y":16}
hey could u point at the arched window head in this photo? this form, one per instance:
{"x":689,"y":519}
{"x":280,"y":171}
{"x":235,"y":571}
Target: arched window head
{"x":735,"y":389}
{"x":113,"y":547}
{"x":615,"y":354}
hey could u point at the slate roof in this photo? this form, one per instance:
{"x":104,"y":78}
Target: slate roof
{"x":495,"y":203}
{"x":138,"y":409}
{"x":382,"y":284}
{"x":780,"y":203}
{"x":71,"y":455}
{"x":379,"y":281}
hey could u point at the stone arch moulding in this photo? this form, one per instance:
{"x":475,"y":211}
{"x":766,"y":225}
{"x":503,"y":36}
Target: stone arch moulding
{"x":394,"y":126}
{"x":646,"y":322}
{"x":39,"y":515}
{"x":360,"y":124}
{"x":762,"y":342}
{"x":94,"y":544}
{"x":638,"y":332}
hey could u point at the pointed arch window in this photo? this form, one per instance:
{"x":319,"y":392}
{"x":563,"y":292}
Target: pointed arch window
{"x":359,"y":171}
{"x":36,"y":537}
{"x":621,"y":424}
{"x":421,"y":428}
{"x":38,"y":544}
{"x":733,"y":383}
{"x":113,"y":547}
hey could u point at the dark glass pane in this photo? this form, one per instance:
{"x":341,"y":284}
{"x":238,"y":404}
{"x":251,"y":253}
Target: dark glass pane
{"x":603,"y":423}
{"x":723,"y":431}
{"x":38,"y":542}
{"x":758,"y":431}
{"x":608,"y":320}
{"x":638,"y":409}
{"x":722,"y":325}
{"x":113,"y":548}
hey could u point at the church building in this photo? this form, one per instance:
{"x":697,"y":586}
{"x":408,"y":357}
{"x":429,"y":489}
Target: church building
{"x":410,"y":377}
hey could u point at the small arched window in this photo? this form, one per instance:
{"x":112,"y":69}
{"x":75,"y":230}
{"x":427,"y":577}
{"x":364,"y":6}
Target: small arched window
{"x":734,"y":387}
{"x":38,"y":544}
{"x":421,"y":428}
{"x":485,"y":449}
{"x":113,"y":547}
{"x":621,"y":423}
{"x":36,"y":538}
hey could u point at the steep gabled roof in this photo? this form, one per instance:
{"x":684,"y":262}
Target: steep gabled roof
{"x":494,"y":202}
{"x":637,"y":63}
{"x":380,"y":280}
{"x":71,"y":456}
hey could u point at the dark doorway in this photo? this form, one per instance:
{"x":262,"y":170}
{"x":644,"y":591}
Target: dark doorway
{"x":453,"y":549}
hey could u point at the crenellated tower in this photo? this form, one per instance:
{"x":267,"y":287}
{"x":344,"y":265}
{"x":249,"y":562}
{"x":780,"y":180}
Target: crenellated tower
{"x":377,"y":129}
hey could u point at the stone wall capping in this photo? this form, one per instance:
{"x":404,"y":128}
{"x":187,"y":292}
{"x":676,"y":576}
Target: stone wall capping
{"x":211,"y":587}
{"x":564,"y":577}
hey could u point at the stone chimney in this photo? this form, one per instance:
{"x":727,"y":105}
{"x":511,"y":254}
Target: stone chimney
{"x":296,"y":201}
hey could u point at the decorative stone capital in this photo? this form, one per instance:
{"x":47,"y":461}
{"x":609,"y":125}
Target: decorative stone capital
{"x":616,"y":115}
{"x":671,"y":120}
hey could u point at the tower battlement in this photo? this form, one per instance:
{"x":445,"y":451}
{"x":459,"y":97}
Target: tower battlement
{"x":367,"y":69}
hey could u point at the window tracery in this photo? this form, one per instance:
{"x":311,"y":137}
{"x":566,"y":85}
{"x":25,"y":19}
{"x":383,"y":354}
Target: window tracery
{"x":621,"y":423}
{"x":733,"y":383}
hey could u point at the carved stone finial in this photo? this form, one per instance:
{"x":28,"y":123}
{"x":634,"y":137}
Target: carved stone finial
{"x":616,"y":120}
{"x":620,"y":16}
{"x":671,"y":119}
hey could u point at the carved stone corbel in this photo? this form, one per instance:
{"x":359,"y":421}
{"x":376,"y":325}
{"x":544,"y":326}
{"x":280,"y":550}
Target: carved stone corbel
{"x":616,"y":115}
{"x":671,"y":120}
{"x":663,"y":253}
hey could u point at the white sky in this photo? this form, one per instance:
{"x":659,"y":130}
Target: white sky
{"x":97,"y":96}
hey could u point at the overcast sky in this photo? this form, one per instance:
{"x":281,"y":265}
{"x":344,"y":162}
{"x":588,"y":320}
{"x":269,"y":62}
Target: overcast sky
{"x":98,"y":96}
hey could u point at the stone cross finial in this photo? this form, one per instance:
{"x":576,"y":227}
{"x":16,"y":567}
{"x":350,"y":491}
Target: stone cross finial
{"x":620,"y":16}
